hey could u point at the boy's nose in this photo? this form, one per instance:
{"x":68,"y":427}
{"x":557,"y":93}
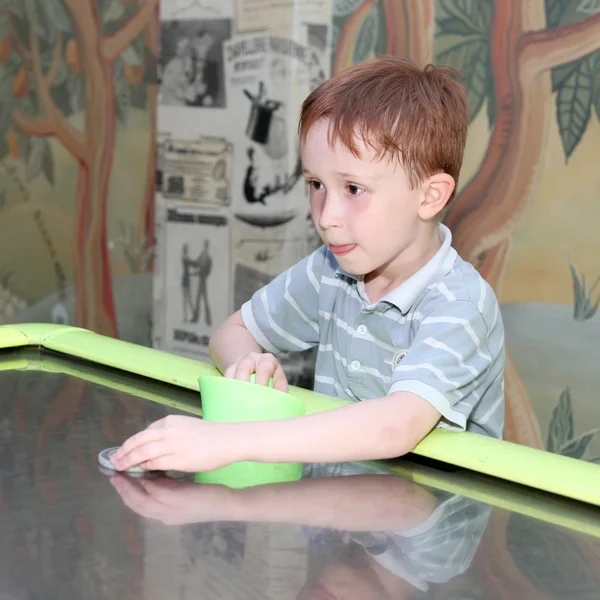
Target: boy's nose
{"x":330,"y":214}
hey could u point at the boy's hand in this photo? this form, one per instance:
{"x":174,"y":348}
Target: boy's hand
{"x":177,"y":443}
{"x":264,"y":366}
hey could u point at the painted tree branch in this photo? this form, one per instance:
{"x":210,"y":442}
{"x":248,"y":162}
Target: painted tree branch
{"x":116,"y":43}
{"x":560,"y":45}
{"x":52,"y":122}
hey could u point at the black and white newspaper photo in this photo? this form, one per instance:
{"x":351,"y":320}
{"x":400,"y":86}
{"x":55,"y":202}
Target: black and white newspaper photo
{"x":198,"y":170}
{"x":195,"y":269}
{"x":192,"y":73}
{"x":268,"y":78}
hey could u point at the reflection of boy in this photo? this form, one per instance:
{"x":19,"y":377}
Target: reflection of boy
{"x":392,"y":565}
{"x":378,"y":536}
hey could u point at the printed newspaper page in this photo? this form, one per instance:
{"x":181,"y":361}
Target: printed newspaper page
{"x":195,"y":265}
{"x":197,"y":170}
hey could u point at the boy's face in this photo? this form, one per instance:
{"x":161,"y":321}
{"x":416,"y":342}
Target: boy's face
{"x":364,"y":208}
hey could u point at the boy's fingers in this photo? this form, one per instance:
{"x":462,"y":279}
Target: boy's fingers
{"x":144,"y":456}
{"x":245,"y":368}
{"x":152,"y":434}
{"x":230,"y":370}
{"x":264,"y":371}
{"x":280,"y":380}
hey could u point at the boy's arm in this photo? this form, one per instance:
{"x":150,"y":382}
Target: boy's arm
{"x":231,"y":341}
{"x":381,"y":428}
{"x":374,"y":429}
{"x":282,"y":316}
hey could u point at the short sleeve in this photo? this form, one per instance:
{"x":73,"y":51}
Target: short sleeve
{"x":283,"y":316}
{"x":456,"y":362}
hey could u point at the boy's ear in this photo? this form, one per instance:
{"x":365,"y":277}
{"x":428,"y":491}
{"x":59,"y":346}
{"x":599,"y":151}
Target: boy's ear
{"x":437,"y":190}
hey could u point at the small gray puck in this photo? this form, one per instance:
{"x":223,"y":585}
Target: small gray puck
{"x":104,"y":460}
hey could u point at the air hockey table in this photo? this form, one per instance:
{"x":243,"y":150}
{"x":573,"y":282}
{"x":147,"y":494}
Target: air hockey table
{"x":462,"y":517}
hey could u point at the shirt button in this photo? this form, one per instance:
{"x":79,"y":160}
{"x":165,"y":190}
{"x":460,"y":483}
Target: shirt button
{"x":355,"y":365}
{"x":362,"y":329}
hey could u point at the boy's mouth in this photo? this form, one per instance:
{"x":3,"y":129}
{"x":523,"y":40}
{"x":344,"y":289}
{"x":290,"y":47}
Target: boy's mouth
{"x":344,"y":249}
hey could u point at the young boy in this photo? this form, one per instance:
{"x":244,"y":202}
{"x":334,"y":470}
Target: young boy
{"x":405,"y":329}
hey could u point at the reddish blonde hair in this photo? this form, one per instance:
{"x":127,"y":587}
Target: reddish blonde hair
{"x":418,"y":116}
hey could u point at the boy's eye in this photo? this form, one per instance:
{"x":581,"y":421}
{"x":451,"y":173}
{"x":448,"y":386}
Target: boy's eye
{"x":315,"y":185}
{"x":355,"y":190}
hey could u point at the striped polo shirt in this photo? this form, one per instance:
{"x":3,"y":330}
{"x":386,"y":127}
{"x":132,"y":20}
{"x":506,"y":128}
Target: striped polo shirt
{"x":439,"y":334}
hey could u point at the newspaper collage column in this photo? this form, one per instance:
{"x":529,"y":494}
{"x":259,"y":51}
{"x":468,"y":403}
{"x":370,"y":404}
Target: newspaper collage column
{"x":232,"y":207}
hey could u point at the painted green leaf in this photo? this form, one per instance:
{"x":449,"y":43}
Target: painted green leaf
{"x":4,"y":25}
{"x":48,"y":165}
{"x":62,"y":74}
{"x":139,"y":96}
{"x":366,"y":40}
{"x":455,"y":26}
{"x":576,"y":447}
{"x":3,"y":147}
{"x":114,"y":11}
{"x":596,"y":70}
{"x":589,"y":7}
{"x":562,"y":73}
{"x":6,"y":123}
{"x":24,"y":145}
{"x":16,"y":8}
{"x":151,"y":70}
{"x":56,"y":15}
{"x":76,"y":92}
{"x":123,"y":99}
{"x":28,"y":105}
{"x":381,"y":45}
{"x":6,"y":95}
{"x":341,"y":8}
{"x":475,"y":14}
{"x":560,"y":430}
{"x":554,"y":11}
{"x":573,"y":106}
{"x":36,"y":15}
{"x":36,"y":157}
{"x":469,"y":54}
{"x":131,"y":56}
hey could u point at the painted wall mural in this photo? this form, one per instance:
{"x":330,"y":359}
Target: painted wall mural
{"x":77,"y":86}
{"x":81,"y":148}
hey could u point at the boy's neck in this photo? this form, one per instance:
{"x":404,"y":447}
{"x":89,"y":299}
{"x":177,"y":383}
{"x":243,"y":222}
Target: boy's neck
{"x":388,"y":277}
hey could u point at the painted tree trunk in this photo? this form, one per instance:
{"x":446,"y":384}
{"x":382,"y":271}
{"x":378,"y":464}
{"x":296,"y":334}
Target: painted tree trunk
{"x":92,"y":272}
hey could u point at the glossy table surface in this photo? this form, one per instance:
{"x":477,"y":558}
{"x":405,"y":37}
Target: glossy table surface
{"x":399,"y":529}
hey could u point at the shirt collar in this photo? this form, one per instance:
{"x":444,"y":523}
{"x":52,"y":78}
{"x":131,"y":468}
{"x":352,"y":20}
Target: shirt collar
{"x":405,"y":295}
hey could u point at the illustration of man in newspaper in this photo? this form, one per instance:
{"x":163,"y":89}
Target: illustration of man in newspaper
{"x":204,"y":263}
{"x":187,"y":266}
{"x":199,"y":268}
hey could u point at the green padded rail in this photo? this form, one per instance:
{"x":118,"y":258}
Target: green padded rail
{"x":572,"y":478}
